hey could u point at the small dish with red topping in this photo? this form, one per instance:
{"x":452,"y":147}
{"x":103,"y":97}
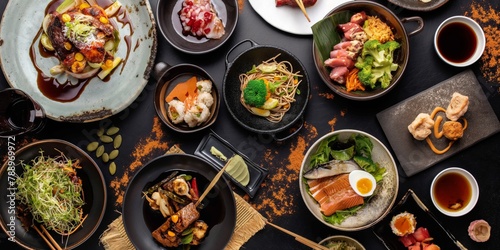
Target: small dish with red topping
{"x":197,"y":26}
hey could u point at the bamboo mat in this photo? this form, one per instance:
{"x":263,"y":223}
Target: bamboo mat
{"x":248,"y":223}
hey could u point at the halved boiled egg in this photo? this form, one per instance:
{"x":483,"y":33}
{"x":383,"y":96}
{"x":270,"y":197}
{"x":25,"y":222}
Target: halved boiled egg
{"x":362,"y":182}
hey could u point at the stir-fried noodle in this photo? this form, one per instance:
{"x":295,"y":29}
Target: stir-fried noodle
{"x":51,"y":190}
{"x":282,"y":78}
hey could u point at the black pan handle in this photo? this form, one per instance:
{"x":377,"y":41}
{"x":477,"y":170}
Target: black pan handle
{"x":159,"y":69}
{"x":252,"y":43}
{"x":286,"y":137}
{"x":417,"y":19}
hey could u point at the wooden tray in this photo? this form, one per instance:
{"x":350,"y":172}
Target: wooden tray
{"x":415,"y":156}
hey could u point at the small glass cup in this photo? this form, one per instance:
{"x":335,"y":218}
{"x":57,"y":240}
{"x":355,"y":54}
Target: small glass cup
{"x":19,"y":113}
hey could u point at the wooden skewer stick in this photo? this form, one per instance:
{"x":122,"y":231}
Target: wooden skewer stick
{"x":212,"y":184}
{"x":299,"y":238}
{"x":303,"y":8}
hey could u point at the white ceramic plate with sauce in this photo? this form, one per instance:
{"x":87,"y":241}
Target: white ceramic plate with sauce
{"x":291,"y":19}
{"x":19,"y":33}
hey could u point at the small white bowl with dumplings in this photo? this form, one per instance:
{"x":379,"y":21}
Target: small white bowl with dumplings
{"x":193,"y":107}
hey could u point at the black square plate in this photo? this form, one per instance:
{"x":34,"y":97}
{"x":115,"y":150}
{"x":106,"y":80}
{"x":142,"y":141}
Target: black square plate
{"x":412,"y":204}
{"x":257,"y":173}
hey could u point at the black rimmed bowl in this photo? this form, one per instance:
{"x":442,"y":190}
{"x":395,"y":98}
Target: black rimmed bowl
{"x":168,"y":77}
{"x":167,"y":17}
{"x":94,"y":189}
{"x":400,"y":55}
{"x":231,"y":92}
{"x":219,"y":211}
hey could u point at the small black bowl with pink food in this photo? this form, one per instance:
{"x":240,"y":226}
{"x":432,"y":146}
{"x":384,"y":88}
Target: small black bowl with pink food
{"x":185,"y":31}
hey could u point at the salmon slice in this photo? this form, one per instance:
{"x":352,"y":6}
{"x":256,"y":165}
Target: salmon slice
{"x":318,"y":184}
{"x":344,"y":199}
{"x":330,"y":186}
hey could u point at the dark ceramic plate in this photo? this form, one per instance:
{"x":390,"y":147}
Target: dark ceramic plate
{"x":257,"y":174}
{"x":412,"y":204}
{"x":219,"y":212}
{"x":415,"y":156}
{"x":167,"y":16}
{"x":419,"y":5}
{"x":171,"y":76}
{"x":93,"y":185}
{"x":231,"y":91}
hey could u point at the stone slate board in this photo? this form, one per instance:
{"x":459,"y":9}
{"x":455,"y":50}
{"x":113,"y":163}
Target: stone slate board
{"x":415,"y":156}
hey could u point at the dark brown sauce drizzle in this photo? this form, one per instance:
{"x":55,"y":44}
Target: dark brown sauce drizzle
{"x":68,"y":91}
{"x":124,"y":18}
{"x":50,"y":86}
{"x":137,"y":44}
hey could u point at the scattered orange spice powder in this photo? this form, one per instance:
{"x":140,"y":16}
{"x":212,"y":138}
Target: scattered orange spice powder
{"x":281,"y":189}
{"x":241,"y":3}
{"x":328,"y":96}
{"x":332,"y":123}
{"x":489,"y":19}
{"x":143,"y":152}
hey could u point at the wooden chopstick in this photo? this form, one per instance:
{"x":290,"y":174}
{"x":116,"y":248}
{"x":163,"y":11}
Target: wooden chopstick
{"x":299,"y":238}
{"x":212,"y":184}
{"x":311,"y":244}
{"x":47,"y":238}
{"x":303,"y":8}
{"x":44,"y":238}
{"x":54,"y":242}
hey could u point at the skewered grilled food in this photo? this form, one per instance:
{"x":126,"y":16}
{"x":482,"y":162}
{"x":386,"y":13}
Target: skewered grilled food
{"x":175,"y":198}
{"x":293,"y":3}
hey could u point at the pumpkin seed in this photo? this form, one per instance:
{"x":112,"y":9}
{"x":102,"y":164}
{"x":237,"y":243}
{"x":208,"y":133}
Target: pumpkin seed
{"x":113,"y":154}
{"x":112,"y":168}
{"x":99,"y":151}
{"x":106,"y":139}
{"x":100,"y":132}
{"x":113,"y":130}
{"x":105,"y":157}
{"x":92,"y":146}
{"x":117,"y":142}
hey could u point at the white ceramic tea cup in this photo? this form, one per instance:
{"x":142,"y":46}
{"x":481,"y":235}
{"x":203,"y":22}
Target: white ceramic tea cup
{"x":474,"y":192}
{"x":479,"y":46}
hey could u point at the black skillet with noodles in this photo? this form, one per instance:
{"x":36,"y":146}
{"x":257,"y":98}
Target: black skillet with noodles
{"x":245,"y":62}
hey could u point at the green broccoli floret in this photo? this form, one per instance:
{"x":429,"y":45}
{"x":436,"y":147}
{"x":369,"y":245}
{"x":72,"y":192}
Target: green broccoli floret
{"x":389,"y":48}
{"x":364,"y":62}
{"x":373,"y":48}
{"x":383,"y":74}
{"x":375,"y":63}
{"x":255,"y":93}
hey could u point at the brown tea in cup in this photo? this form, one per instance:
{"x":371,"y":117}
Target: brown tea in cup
{"x":452,"y":191}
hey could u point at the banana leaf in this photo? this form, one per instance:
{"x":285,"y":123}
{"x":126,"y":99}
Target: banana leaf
{"x":326,"y":34}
